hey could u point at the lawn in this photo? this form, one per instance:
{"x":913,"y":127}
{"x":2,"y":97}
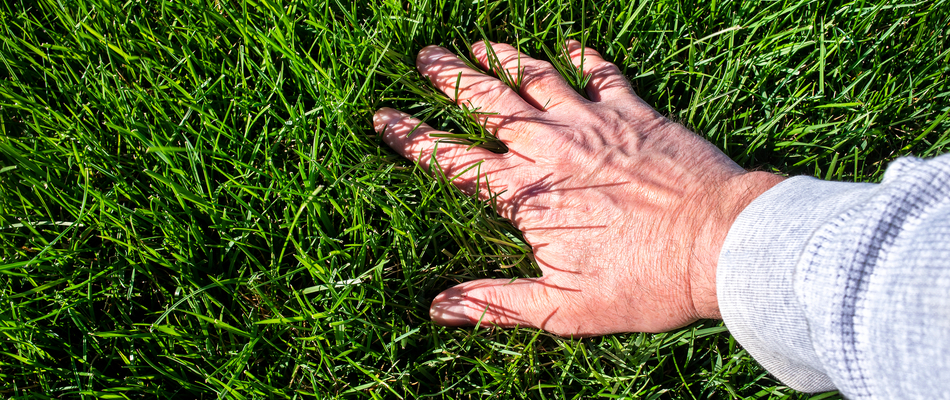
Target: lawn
{"x":193,"y":203}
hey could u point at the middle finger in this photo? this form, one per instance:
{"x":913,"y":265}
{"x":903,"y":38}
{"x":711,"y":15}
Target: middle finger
{"x":538,"y":82}
{"x":499,"y":107}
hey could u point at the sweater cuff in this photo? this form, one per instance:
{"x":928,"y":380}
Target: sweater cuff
{"x":755,"y":275}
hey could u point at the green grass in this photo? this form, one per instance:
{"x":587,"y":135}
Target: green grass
{"x":193,"y":203}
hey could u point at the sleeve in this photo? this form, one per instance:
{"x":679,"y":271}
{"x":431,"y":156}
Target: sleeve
{"x":846,"y":286}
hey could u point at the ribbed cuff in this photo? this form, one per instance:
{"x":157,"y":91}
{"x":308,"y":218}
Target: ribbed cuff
{"x":755,"y":275}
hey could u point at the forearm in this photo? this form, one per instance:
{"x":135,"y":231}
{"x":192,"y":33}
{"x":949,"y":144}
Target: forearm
{"x":795,"y":277}
{"x":756,"y":274}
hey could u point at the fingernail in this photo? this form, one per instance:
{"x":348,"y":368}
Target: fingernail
{"x":449,"y":310}
{"x":383,"y":118}
{"x":429,"y":54}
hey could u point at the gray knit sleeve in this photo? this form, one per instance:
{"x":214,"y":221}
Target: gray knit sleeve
{"x":840,"y":285}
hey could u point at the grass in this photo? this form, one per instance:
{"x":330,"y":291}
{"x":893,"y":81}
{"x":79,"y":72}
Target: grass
{"x":193,"y":203}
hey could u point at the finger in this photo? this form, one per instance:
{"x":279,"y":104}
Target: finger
{"x":412,"y":138}
{"x":606,"y":82}
{"x":499,"y":108}
{"x":525,"y":302}
{"x":538,"y":82}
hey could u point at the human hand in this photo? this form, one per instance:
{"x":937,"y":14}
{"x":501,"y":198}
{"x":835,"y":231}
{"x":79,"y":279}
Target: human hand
{"x":625,"y":211}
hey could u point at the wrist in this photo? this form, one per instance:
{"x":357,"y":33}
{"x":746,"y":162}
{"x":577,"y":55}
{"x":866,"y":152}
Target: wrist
{"x":728,"y":201}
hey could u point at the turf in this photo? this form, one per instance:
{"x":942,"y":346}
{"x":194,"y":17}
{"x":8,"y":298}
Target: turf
{"x":193,"y":203}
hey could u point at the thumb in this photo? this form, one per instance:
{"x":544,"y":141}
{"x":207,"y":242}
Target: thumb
{"x":524,"y":302}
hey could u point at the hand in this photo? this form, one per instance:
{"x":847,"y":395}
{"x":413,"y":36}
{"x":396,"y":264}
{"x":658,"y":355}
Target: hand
{"x":625,"y":211}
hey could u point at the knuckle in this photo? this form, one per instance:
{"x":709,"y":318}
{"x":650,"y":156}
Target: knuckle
{"x":605,"y":68}
{"x":446,"y":155}
{"x":540,"y":78}
{"x":588,"y":53}
{"x":543,"y":66}
{"x":491,"y":308}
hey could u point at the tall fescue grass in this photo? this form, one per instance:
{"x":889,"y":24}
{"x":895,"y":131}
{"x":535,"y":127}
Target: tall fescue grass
{"x":193,"y":203}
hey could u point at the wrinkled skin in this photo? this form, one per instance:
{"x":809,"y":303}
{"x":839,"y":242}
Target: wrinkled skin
{"x":624,"y":210}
